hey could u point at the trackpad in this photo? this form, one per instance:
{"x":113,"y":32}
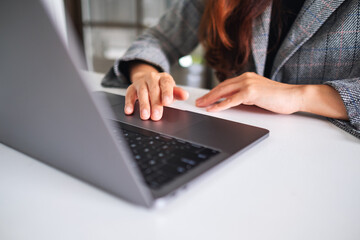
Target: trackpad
{"x":173,"y":120}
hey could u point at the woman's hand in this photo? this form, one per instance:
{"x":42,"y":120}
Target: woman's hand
{"x":153,"y":90}
{"x":253,"y":89}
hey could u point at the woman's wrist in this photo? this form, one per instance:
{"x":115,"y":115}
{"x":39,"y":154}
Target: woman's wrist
{"x":140,"y":67}
{"x":322,"y":100}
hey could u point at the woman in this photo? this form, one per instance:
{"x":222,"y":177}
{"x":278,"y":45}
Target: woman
{"x":280,"y":55}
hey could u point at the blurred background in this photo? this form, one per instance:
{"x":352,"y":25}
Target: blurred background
{"x":107,"y":28}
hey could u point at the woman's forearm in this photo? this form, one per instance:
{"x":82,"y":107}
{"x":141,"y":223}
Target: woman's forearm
{"x":253,"y":89}
{"x":322,"y":100}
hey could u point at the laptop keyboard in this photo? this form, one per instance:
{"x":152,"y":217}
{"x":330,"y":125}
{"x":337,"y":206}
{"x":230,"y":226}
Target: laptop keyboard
{"x":162,"y":158}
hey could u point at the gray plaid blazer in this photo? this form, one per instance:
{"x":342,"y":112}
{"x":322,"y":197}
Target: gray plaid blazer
{"x":322,"y":47}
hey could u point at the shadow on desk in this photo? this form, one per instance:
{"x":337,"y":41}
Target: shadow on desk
{"x":256,"y":109}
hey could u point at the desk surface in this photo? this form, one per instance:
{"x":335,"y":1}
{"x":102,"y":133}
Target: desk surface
{"x":303,"y":182}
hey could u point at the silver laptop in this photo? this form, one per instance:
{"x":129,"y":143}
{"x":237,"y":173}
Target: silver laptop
{"x":48,"y":113}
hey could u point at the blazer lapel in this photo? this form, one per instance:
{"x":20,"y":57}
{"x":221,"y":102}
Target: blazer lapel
{"x":261,"y":27}
{"x":310,"y":18}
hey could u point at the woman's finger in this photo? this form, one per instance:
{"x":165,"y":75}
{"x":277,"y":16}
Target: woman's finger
{"x":143,"y":96}
{"x":130,"y":99}
{"x":155,"y":98}
{"x":180,"y":94}
{"x":227,"y":103}
{"x":167,"y":84}
{"x":217,"y":93}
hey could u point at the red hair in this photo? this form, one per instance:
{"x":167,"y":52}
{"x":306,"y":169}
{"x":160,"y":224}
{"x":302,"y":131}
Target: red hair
{"x":226,"y":33}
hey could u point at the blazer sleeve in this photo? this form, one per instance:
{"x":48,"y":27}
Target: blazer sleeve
{"x":349,"y":90}
{"x":175,"y":35}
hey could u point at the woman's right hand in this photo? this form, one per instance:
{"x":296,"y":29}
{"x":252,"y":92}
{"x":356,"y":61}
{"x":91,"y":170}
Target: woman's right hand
{"x":154,"y":90}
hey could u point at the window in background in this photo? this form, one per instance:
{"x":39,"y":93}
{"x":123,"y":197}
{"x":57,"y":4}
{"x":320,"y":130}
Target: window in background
{"x":110,"y":26}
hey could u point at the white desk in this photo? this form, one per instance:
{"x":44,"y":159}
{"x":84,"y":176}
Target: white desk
{"x":303,"y":182}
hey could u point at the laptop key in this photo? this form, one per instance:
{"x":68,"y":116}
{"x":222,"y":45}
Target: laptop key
{"x":189,"y":161}
{"x":161,"y":158}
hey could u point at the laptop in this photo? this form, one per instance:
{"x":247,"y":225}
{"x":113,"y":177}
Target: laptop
{"x":48,"y":112}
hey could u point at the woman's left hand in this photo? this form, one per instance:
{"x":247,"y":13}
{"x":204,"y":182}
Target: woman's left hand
{"x":253,"y":89}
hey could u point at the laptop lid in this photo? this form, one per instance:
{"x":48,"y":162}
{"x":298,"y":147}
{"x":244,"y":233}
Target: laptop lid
{"x":46,"y":110}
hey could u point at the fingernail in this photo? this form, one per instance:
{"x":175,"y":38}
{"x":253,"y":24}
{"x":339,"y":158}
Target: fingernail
{"x":145,"y":113}
{"x":199,"y":101}
{"x":156,"y":114}
{"x":186,"y":95}
{"x":210,"y":109}
{"x":128,"y":109}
